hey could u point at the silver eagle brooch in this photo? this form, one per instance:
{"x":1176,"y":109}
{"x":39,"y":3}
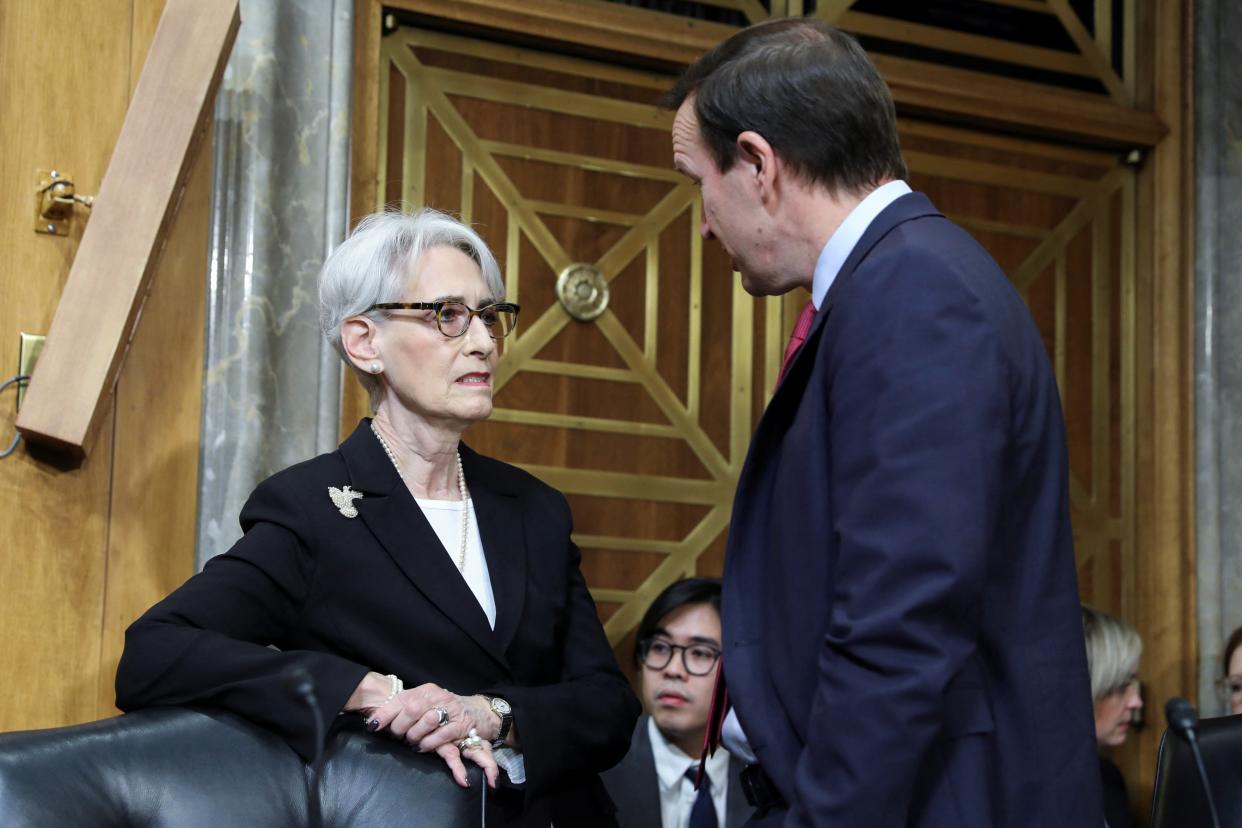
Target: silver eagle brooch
{"x":343,"y":499}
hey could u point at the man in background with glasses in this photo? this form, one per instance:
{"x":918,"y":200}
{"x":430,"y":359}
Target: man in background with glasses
{"x":677,"y":654}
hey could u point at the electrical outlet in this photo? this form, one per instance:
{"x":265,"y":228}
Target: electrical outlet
{"x":27,"y":355}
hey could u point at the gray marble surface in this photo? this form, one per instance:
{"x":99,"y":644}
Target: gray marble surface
{"x":1218,"y":334}
{"x":279,"y":204}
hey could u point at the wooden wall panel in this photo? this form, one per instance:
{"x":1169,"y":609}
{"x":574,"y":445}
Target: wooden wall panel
{"x":61,"y":108}
{"x":158,"y":405}
{"x":65,"y":600}
{"x":1165,"y":569}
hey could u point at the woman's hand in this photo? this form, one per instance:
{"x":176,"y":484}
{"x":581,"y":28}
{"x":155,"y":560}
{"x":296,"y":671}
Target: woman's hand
{"x":431,"y":718}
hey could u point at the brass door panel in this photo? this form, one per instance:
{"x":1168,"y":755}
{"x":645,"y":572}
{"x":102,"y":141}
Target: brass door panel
{"x":559,"y":161}
{"x":642,"y":416}
{"x":1060,"y":221}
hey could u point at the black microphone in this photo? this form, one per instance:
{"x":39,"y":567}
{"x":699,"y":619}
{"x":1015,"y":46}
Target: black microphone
{"x":301,"y":686}
{"x":1184,"y":721}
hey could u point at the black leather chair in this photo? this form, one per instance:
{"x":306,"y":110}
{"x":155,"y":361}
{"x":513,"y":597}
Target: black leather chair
{"x":189,"y":767}
{"x":1178,"y":800}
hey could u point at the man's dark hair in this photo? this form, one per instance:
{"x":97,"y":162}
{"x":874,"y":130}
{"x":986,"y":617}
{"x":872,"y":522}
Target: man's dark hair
{"x":675,"y":596}
{"x":813,"y":94}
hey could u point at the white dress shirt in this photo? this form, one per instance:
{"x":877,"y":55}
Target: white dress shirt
{"x":445,"y":518}
{"x":839,"y":247}
{"x":841,"y":244}
{"x":677,"y":793}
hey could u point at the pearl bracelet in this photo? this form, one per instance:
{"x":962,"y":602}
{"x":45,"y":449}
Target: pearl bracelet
{"x":397,"y":687}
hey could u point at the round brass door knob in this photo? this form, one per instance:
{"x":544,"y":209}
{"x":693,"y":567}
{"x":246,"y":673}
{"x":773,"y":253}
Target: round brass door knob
{"x":582,"y":291}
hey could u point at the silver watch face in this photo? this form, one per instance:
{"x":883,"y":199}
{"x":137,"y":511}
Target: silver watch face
{"x":501,"y":706}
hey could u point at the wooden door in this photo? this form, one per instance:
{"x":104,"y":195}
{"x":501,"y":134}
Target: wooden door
{"x":1061,"y":221}
{"x":85,"y":549}
{"x":642,"y":416}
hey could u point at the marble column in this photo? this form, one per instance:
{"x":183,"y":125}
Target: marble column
{"x":281,"y":180}
{"x":1218,"y":333}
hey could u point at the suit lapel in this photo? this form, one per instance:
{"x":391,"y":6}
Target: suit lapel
{"x":393,"y":516}
{"x":643,"y":795}
{"x":504,"y":546}
{"x":744,"y":569}
{"x":908,"y":206}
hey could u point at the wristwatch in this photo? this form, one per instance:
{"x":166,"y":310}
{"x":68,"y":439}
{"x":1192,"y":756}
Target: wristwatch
{"x":502,"y":709}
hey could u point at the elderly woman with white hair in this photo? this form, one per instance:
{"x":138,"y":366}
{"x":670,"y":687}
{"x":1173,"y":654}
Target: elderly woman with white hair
{"x":1113,"y":651}
{"x":427,"y":588}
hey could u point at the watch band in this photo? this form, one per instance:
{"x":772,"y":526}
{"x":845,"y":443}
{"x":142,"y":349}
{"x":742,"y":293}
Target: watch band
{"x":502,"y":709}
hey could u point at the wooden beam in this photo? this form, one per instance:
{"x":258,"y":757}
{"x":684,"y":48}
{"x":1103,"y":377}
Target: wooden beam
{"x":1091,"y":50}
{"x":1017,"y":106}
{"x":1166,"y":575}
{"x":925,"y":89}
{"x":666,"y":39}
{"x":965,"y":43}
{"x":102,"y":302}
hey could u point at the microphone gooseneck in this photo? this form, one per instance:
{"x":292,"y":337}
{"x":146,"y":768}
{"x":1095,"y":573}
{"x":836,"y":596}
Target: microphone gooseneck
{"x":1184,"y":721}
{"x":301,"y":685}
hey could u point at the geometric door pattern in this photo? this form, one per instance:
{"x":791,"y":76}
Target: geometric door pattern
{"x":1085,"y":45}
{"x":643,"y":415}
{"x":1060,"y":221}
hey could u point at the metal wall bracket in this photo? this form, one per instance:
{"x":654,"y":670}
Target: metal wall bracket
{"x":55,"y":202}
{"x":27,"y":355}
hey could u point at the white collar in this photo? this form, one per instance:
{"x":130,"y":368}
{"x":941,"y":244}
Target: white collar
{"x":843,"y":239}
{"x":671,"y":762}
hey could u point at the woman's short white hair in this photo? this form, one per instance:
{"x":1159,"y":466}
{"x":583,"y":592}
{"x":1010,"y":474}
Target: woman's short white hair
{"x":374,"y":265}
{"x":1113,"y":651}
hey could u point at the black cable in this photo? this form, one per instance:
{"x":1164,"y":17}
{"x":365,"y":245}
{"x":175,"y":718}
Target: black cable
{"x":56,"y":182}
{"x":17,"y":438}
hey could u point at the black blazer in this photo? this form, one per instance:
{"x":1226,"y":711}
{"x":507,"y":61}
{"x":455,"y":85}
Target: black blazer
{"x":633,"y":784}
{"x":341,"y":596}
{"x":1116,"y":800}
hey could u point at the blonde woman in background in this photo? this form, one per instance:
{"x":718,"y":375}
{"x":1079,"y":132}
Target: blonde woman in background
{"x":1113,"y":651}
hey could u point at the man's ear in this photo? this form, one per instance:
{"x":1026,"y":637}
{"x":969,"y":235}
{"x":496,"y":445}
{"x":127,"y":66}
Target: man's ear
{"x":760,"y":159}
{"x":359,"y":339}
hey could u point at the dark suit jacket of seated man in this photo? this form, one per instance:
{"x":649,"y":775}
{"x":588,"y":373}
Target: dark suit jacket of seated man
{"x":902,"y":641}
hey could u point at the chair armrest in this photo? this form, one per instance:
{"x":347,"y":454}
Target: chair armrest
{"x":199,"y":767}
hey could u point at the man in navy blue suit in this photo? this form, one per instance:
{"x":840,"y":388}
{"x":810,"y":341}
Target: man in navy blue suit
{"x":902,"y":640}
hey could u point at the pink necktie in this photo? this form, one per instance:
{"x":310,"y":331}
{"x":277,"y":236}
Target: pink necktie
{"x":800,"y":329}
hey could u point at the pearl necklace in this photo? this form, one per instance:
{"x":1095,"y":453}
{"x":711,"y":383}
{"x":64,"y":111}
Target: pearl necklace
{"x":461,"y":487}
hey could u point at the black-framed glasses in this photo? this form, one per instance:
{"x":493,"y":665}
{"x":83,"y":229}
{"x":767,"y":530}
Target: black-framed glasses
{"x":699,"y":659}
{"x":453,"y":318}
